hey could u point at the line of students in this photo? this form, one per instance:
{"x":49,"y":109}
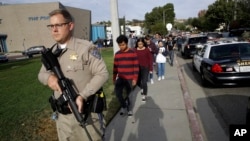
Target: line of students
{"x":133,"y":66}
{"x":130,"y":70}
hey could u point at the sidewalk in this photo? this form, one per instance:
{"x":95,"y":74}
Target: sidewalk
{"x":163,"y":117}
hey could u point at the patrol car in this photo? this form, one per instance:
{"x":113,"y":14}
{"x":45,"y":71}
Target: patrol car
{"x":3,"y":57}
{"x":191,"y":43}
{"x":223,"y":63}
{"x":33,"y":51}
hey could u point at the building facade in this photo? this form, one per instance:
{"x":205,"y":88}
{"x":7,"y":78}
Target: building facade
{"x":25,"y":24}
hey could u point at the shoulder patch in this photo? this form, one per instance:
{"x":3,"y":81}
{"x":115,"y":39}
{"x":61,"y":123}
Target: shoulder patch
{"x":95,"y":52}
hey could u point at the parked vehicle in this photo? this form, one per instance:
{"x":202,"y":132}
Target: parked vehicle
{"x":188,"y":48}
{"x":3,"y":57}
{"x":214,"y":36}
{"x":33,"y":50}
{"x":238,"y":32}
{"x":110,"y":43}
{"x":223,"y":63}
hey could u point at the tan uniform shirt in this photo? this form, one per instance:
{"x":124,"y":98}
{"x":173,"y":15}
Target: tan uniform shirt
{"x":82,"y":63}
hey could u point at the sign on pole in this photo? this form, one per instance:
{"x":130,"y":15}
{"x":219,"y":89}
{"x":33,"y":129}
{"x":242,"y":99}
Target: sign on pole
{"x":169,"y":26}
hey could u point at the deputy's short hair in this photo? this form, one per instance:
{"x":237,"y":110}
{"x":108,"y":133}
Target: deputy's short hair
{"x":67,"y":16}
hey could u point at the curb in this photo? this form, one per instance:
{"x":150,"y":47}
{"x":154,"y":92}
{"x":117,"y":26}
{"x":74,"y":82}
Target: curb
{"x":193,"y":122}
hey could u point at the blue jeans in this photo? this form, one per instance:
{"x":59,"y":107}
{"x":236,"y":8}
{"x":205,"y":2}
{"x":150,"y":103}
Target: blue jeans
{"x":161,"y":69}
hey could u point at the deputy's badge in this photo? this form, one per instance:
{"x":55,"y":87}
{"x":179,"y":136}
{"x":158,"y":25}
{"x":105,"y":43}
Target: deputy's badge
{"x":95,"y":52}
{"x":73,"y":57}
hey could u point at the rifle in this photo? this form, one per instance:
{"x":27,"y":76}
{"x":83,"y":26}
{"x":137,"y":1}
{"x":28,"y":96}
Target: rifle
{"x":69,"y":94}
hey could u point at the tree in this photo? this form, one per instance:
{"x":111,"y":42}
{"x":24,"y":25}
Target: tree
{"x":232,"y":13}
{"x":242,"y":13}
{"x":156,"y":20}
{"x":180,"y":26}
{"x":199,"y":23}
{"x":168,"y":12}
{"x":235,"y":14}
{"x":219,"y":12}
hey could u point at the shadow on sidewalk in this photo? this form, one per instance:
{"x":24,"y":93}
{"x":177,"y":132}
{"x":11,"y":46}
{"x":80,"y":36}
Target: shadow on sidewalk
{"x":147,"y":122}
{"x":116,"y":128}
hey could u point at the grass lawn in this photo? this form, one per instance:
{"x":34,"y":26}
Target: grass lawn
{"x":25,"y":111}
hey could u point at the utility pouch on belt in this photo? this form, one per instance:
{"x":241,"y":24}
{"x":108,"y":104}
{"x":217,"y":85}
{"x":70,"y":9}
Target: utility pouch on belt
{"x":59,"y":105}
{"x":97,"y":102}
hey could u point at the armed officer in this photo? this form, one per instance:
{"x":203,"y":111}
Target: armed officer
{"x":81,"y":62}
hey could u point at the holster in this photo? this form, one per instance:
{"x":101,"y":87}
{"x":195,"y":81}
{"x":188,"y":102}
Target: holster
{"x":95,"y":103}
{"x":59,"y":105}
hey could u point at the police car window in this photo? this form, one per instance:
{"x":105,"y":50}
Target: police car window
{"x":245,"y":50}
{"x":224,"y":51}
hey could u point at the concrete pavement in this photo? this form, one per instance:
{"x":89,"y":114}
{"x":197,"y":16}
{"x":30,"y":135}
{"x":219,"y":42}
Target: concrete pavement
{"x":167,"y":115}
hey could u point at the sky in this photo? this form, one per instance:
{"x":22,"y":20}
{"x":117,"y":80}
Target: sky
{"x":130,"y":9}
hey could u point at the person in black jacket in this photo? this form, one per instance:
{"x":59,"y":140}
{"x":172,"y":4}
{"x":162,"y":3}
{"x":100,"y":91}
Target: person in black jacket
{"x":153,"y":49}
{"x":170,"y":49}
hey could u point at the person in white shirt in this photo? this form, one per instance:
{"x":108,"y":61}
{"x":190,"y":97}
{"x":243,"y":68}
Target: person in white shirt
{"x":161,"y":60}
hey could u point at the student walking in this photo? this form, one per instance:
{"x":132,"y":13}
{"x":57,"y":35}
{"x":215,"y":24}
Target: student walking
{"x":179,"y":42}
{"x":170,"y":48}
{"x":153,"y":50}
{"x":125,"y":73}
{"x":131,"y":41}
{"x":145,"y":65}
{"x":161,"y":60}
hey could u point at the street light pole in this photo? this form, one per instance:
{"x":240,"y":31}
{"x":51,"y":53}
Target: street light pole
{"x":163,"y":14}
{"x":235,"y":10}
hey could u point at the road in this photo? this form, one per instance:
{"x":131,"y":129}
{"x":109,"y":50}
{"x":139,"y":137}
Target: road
{"x":216,"y":107}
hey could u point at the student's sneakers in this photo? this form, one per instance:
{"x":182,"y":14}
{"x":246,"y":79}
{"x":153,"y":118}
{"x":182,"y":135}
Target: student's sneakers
{"x":162,"y":77}
{"x":151,"y":81}
{"x":141,"y":91}
{"x":122,"y":112}
{"x":143,"y":98}
{"x":159,"y":78}
{"x":130,"y":113}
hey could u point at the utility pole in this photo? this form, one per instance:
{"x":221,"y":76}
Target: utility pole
{"x":235,"y":10}
{"x":163,"y":14}
{"x":114,"y":23}
{"x":124,"y":25}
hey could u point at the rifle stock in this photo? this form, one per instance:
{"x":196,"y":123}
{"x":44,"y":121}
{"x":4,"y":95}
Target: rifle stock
{"x":50,"y":62}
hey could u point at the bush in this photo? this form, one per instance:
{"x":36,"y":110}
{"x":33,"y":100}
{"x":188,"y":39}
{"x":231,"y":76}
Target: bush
{"x":246,"y":36}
